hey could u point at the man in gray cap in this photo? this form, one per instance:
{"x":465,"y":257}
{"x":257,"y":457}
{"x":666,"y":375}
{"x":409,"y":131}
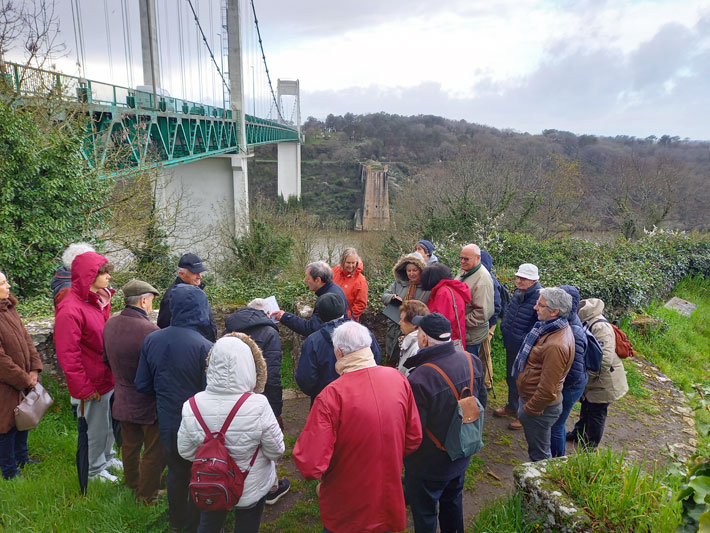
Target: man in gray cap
{"x":123,"y":338}
{"x":190,"y":270}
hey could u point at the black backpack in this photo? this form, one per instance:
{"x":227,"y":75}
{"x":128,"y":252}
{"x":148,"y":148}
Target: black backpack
{"x":504,"y":298}
{"x":593,"y":353}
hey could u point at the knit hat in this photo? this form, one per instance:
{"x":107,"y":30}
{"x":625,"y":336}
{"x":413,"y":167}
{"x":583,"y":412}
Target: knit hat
{"x":528,"y":271}
{"x":427,"y":245}
{"x":330,"y":306}
{"x":136,"y":287}
{"x":435,"y":325}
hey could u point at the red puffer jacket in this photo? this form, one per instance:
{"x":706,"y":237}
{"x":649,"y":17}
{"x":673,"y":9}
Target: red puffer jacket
{"x":79,"y":329}
{"x":440,"y":301}
{"x":354,"y":286}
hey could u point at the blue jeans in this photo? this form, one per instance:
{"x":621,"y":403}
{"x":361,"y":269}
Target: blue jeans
{"x":473,"y":348}
{"x":245,"y":520}
{"x":13,"y":451}
{"x":557,"y":437}
{"x":510,"y":380}
{"x":425,"y":495}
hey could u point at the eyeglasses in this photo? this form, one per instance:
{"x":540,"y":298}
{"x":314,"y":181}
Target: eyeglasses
{"x":540,"y":305}
{"x":462,"y":258}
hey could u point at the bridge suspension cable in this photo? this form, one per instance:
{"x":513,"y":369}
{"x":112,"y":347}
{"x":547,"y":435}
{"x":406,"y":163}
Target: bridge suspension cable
{"x":207,"y":44}
{"x":263,"y":56}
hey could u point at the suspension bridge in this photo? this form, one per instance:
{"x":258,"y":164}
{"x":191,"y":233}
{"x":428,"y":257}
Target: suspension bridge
{"x":199,"y":142}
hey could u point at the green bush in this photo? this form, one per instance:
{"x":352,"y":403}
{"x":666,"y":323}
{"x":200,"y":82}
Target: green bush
{"x":262,"y":249}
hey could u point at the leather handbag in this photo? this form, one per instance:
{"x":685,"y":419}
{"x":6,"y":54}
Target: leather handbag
{"x":33,"y":405}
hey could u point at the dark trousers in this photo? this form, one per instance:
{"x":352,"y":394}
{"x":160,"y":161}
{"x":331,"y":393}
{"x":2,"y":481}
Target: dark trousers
{"x":184,"y":515}
{"x":13,"y":452}
{"x":538,"y":430}
{"x":425,"y":495}
{"x":245,"y":520}
{"x":474,"y":348}
{"x":142,"y":473}
{"x":590,"y":427}
{"x":510,"y":380}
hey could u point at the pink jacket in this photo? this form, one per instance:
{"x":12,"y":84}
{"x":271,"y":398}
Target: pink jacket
{"x":440,"y":301}
{"x":78,"y":331}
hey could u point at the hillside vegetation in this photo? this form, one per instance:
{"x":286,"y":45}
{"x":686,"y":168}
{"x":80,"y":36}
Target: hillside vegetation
{"x":552,"y":183}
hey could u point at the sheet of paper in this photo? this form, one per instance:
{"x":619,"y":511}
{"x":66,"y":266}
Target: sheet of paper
{"x":273,"y":304}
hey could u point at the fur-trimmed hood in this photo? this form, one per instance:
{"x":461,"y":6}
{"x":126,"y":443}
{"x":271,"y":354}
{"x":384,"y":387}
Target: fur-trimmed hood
{"x":235,"y":364}
{"x":400,"y":269}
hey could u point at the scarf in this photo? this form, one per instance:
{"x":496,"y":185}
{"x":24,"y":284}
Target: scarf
{"x":411,"y":291}
{"x":356,"y":360}
{"x":471,"y":272}
{"x":540,"y":328}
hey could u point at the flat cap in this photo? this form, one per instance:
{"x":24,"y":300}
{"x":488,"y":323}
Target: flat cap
{"x":136,"y":287}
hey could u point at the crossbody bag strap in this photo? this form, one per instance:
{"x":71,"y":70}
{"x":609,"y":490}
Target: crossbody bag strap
{"x":456,"y":312}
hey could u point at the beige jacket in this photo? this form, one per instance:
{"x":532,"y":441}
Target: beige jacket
{"x":480,"y":309}
{"x":609,"y":384}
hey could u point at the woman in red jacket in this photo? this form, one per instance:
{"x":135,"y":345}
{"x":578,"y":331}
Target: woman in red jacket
{"x":448,"y":297}
{"x":348,"y":274}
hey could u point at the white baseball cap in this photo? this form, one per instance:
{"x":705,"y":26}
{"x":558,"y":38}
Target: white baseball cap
{"x":528,"y":271}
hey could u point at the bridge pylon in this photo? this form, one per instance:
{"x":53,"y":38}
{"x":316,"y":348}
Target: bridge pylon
{"x":289,"y":153}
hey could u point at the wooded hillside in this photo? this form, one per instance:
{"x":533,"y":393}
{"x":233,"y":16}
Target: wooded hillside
{"x":553,"y":183}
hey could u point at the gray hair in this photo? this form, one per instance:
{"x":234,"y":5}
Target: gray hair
{"x":135,"y":300}
{"x":73,"y":250}
{"x":351,"y":337}
{"x":320,"y":269}
{"x":557,"y":298}
{"x":259,"y":303}
{"x":347,"y":253}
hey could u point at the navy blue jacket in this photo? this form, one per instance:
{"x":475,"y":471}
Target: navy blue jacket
{"x":164,"y":315}
{"x":519,"y":318}
{"x":316,"y":367}
{"x":436,"y":403}
{"x":577,"y":376}
{"x":306,"y":327}
{"x":172,"y":361}
{"x":487,"y":261}
{"x":265,"y":333}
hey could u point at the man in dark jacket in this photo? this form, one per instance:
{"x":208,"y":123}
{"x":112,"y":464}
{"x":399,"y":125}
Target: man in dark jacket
{"x":172,"y":368}
{"x":519,"y":317}
{"x":319,"y":278}
{"x":431,"y":478}
{"x":190,"y":270}
{"x":316,"y":366}
{"x":123,"y":338}
{"x":576,"y":379}
{"x":254,"y":321}
{"x":485,"y":352}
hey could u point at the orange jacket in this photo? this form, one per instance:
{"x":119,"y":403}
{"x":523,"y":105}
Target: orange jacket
{"x":354,"y":286}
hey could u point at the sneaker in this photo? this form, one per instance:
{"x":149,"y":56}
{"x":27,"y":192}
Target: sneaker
{"x":28,"y":461}
{"x":571,"y":436}
{"x":275,"y":495}
{"x":115,"y":463}
{"x":105,"y":475}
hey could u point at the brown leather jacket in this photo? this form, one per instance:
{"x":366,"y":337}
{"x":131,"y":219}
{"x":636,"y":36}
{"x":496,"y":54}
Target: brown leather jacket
{"x":540,"y":382}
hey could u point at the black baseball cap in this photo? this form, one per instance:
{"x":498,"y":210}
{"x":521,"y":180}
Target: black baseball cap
{"x":330,"y":306}
{"x":192,"y":262}
{"x":435,"y":325}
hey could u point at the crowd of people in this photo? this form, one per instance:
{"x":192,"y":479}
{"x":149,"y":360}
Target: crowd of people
{"x":166,"y":385}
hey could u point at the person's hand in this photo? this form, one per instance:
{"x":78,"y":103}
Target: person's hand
{"x":95,"y":396}
{"x":33,"y":378}
{"x":276,"y":315}
{"x":397,"y":297}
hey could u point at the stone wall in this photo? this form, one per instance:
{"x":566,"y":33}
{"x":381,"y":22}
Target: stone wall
{"x":42,"y":333}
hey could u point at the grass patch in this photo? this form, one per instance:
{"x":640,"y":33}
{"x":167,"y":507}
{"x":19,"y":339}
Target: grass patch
{"x":303,"y":516}
{"x":681,"y":347}
{"x":618,"y":495}
{"x":473,"y":472}
{"x":47,"y":497}
{"x":502,"y":516}
{"x":635,"y":380}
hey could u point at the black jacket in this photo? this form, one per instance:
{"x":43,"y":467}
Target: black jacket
{"x":306,"y":327}
{"x":436,"y":403}
{"x":265,"y":333}
{"x":164,"y":315}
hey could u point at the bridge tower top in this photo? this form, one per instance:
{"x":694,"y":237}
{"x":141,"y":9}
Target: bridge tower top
{"x":290,"y":88}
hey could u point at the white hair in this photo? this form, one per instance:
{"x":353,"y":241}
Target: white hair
{"x":135,"y":300}
{"x":351,"y":337}
{"x":559,"y":299}
{"x":259,"y":303}
{"x":73,"y":250}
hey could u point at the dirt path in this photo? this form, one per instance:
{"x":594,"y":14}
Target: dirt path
{"x":647,"y":428}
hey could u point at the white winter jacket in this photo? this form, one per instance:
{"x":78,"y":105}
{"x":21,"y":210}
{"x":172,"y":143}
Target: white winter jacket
{"x":231,"y":371}
{"x":407,"y":349}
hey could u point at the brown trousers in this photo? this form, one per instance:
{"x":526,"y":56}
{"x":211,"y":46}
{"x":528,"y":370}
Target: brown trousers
{"x":142,"y":473}
{"x":485,"y":355}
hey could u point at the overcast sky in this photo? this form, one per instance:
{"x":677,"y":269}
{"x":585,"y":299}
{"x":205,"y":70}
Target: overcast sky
{"x":617,"y":67}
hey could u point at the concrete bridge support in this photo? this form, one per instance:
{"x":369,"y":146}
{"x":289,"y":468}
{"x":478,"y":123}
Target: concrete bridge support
{"x":289,"y":170}
{"x":205,"y":203}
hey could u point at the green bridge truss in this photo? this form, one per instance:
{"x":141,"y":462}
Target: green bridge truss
{"x":172,"y":132}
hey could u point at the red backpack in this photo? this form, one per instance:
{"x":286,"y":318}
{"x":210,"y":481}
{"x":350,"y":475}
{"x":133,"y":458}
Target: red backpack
{"x":217,"y":483}
{"x":624,"y":348}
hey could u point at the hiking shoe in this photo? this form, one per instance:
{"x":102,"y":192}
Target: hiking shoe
{"x":115,"y":463}
{"x":515,"y":424}
{"x":28,"y":461}
{"x":105,"y":475}
{"x":571,"y":436}
{"x":505,"y":411}
{"x":275,"y":495}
